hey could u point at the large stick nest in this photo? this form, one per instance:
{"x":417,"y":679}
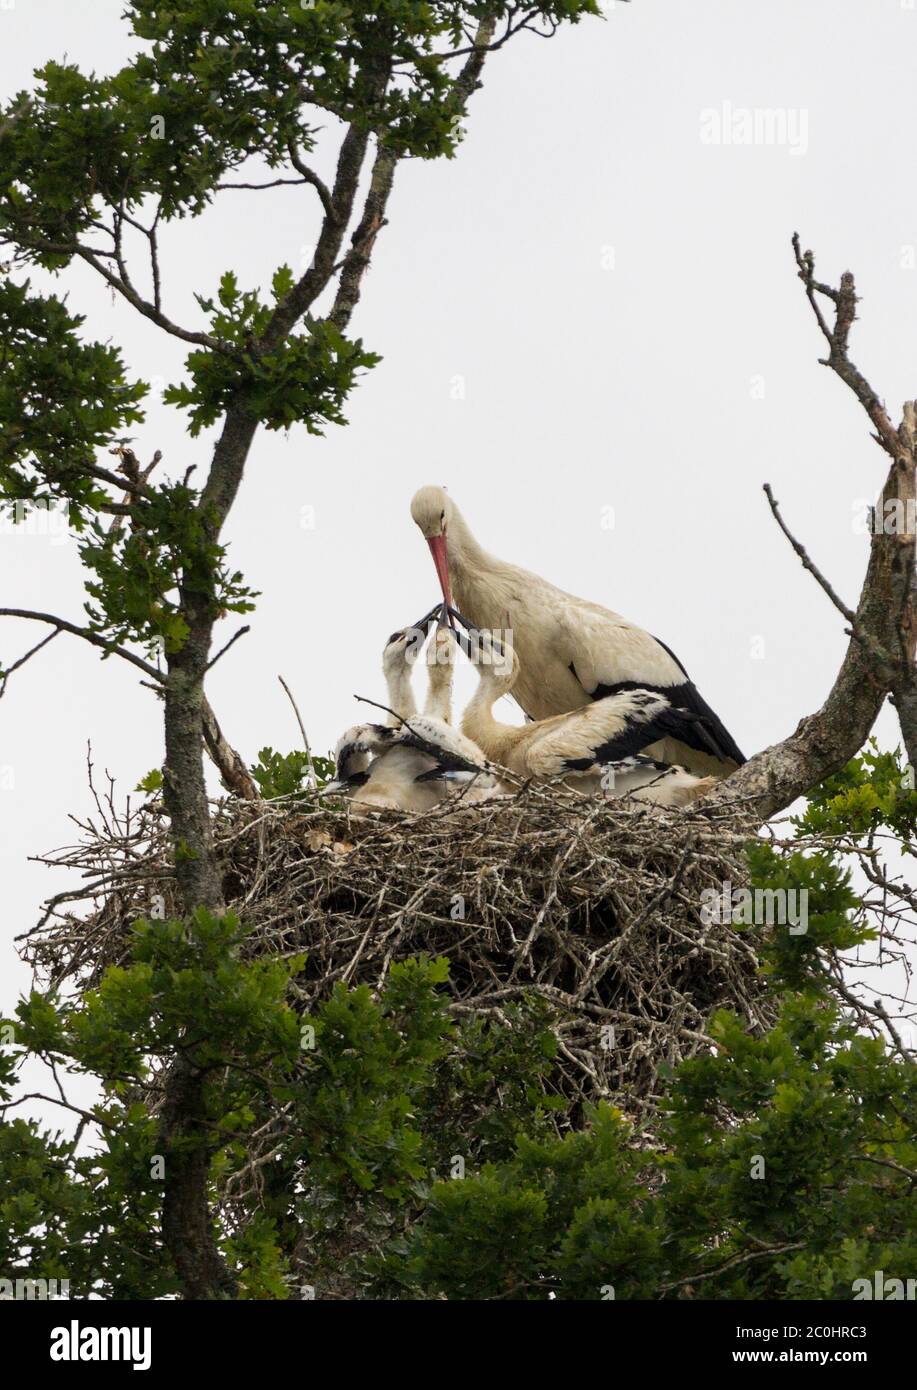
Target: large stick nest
{"x":593,"y":907}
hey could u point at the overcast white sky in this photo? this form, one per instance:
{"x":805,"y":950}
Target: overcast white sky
{"x":592,"y":307}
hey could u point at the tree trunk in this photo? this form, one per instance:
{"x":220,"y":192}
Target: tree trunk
{"x":187,"y":1227}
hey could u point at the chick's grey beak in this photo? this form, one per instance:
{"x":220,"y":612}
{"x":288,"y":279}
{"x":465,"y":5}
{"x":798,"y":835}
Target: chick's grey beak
{"x":424,"y":623}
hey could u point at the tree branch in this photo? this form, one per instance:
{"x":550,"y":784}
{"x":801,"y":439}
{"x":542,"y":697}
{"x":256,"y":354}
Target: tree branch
{"x":225,"y":648}
{"x":884,"y":662}
{"x":904,"y":687}
{"x":5,"y":675}
{"x":273,"y":183}
{"x":356,"y":262}
{"x":310,"y":176}
{"x":845,"y":302}
{"x":227,"y":761}
{"x":484,"y":41}
{"x":232,"y":769}
{"x":87,"y":635}
{"x":468,"y":78}
{"x":310,"y":285}
{"x":125,"y":484}
{"x":803,"y":554}
{"x":144,"y":307}
{"x":740,"y":1259}
{"x":880,"y":655}
{"x":302,"y":729}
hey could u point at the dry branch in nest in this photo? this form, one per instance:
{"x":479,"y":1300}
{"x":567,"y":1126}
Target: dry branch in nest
{"x":592,"y":907}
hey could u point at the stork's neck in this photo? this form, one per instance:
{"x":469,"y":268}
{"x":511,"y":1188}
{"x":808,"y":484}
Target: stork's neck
{"x":464,"y":554}
{"x":438,"y":704}
{"x":493,"y":738}
{"x":400,"y":695}
{"x":484,"y":588}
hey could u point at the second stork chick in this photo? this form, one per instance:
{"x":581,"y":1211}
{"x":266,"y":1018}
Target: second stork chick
{"x":593,"y":749}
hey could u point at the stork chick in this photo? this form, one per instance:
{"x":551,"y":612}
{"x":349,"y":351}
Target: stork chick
{"x":415,"y":760}
{"x":398,"y":658}
{"x":593,"y":749}
{"x":440,"y":672}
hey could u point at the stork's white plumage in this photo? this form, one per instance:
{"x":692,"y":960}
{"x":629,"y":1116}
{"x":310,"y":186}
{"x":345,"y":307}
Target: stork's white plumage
{"x":570,"y":651}
{"x":414,"y":761}
{"x":593,"y":748}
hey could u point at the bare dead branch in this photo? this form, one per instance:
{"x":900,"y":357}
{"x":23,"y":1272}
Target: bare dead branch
{"x":803,"y":554}
{"x":844,"y":300}
{"x":128,"y":484}
{"x":235,"y":775}
{"x":302,"y":729}
{"x":272,"y":183}
{"x":880,"y":656}
{"x":5,"y":675}
{"x":226,"y":646}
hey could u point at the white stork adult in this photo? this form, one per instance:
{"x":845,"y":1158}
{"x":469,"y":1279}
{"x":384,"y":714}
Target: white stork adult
{"x":594,"y":748}
{"x":570,"y":651}
{"x":414,"y":761}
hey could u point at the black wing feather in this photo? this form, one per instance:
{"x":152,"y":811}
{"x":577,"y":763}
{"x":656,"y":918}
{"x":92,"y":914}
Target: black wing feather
{"x":705,"y":731}
{"x":347,"y":754}
{"x":708,"y":734}
{"x":446,"y":759}
{"x":668,"y":723}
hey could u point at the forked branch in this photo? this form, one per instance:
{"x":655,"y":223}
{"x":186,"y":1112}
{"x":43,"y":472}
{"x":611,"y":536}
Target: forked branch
{"x":879,"y":660}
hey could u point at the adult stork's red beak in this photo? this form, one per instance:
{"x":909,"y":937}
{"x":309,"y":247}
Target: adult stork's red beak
{"x":437,"y":546}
